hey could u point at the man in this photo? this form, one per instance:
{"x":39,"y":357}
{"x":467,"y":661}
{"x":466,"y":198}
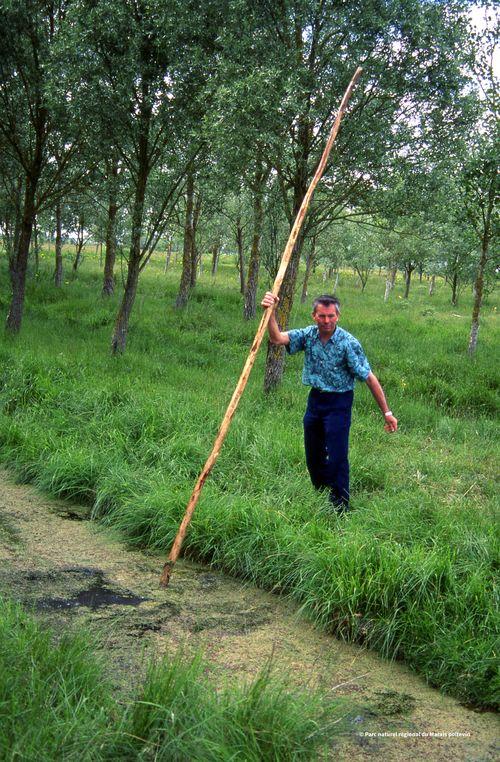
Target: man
{"x":333,"y":360}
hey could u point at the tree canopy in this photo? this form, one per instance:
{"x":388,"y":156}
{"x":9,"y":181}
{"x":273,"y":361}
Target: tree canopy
{"x":176,"y":110}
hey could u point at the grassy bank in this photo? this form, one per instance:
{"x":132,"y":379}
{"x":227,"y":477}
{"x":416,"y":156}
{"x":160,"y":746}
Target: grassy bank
{"x":409,"y":572}
{"x":55,"y":703}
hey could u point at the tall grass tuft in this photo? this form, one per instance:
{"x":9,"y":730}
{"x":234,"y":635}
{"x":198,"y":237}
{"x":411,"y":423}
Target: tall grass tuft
{"x":54,"y":702}
{"x":178,"y":716}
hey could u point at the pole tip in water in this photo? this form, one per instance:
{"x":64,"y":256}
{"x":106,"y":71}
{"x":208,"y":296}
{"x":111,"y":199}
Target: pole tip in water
{"x":165,"y":575}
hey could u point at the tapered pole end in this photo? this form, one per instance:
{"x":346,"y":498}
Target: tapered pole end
{"x":165,"y":575}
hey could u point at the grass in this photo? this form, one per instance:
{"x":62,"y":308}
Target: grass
{"x":410,"y":571}
{"x":55,"y":703}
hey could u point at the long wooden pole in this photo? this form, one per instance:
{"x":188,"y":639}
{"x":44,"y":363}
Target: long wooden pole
{"x":226,"y":421}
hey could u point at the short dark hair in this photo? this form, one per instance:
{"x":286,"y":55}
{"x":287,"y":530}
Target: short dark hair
{"x":326,"y":300}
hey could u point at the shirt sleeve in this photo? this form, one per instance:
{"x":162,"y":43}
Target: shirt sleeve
{"x":356,"y":360}
{"x":297,"y":338}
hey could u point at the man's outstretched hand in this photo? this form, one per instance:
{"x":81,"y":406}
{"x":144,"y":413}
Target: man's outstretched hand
{"x":391,"y":424}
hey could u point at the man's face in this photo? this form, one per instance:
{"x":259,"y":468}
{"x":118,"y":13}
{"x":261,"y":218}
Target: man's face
{"x":326,"y":318}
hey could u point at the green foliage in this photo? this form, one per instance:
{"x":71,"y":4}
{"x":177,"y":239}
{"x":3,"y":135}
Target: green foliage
{"x":55,"y":704}
{"x":408,"y":572}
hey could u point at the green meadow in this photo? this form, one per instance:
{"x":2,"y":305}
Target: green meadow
{"x":409,"y":572}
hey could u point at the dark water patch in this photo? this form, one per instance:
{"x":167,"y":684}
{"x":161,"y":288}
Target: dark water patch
{"x":140,"y":628}
{"x":95,"y":597}
{"x":84,"y":571}
{"x":73,"y":512}
{"x":39,"y":576}
{"x":209,"y":581}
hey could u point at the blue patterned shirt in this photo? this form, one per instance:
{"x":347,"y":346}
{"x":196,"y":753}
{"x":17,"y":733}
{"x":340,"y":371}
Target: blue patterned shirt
{"x":333,"y":366}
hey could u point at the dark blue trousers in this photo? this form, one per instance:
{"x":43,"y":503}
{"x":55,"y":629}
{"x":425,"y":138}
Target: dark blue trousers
{"x":326,"y":438}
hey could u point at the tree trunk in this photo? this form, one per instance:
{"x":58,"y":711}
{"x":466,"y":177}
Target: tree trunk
{"x":241,"y":259}
{"x":58,"y":272}
{"x":36,"y":248}
{"x":78,"y":256}
{"x":454,"y":289}
{"x":389,"y":282}
{"x":195,"y":254}
{"x":215,"y":258}
{"x":79,"y":244}
{"x":108,"y":285}
{"x":250,"y":289}
{"x":19,"y":264}
{"x":187,"y":256}
{"x":33,"y":169}
{"x":309,"y":266}
{"x":13,"y":230}
{"x":168,"y":255}
{"x":119,"y":338}
{"x":275,"y":360}
{"x":408,"y":271}
{"x":478,"y":295}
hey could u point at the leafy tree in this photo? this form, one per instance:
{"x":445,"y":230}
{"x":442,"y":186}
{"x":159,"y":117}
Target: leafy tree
{"x":478,"y":180}
{"x":362,"y":249}
{"x":480,"y":197}
{"x":150,"y":61}
{"x":237,"y":212}
{"x":455,"y":255}
{"x":37,"y":119}
{"x":239,"y":129}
